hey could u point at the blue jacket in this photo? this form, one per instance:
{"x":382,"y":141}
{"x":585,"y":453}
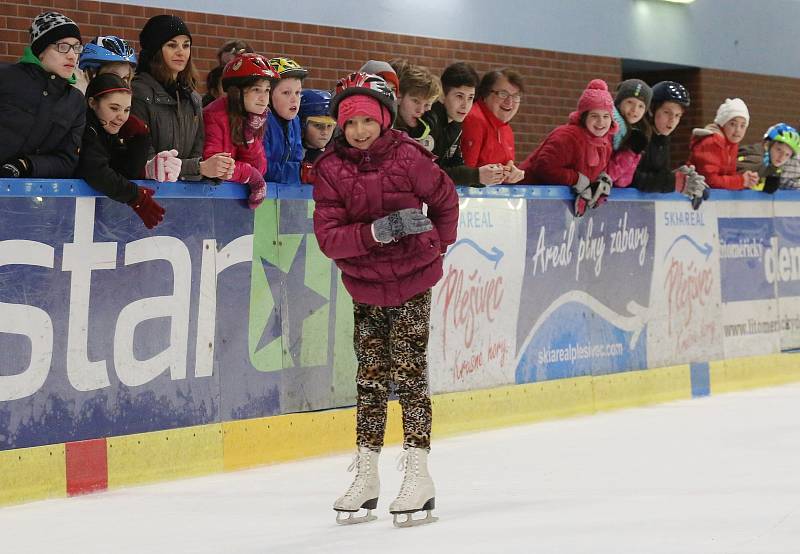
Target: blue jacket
{"x":284,"y":149}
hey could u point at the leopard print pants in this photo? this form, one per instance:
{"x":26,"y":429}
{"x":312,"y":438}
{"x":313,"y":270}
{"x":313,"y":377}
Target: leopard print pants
{"x":391,"y":346}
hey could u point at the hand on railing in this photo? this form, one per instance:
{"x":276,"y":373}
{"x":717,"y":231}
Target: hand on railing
{"x":164,"y":167}
{"x":150,"y":211}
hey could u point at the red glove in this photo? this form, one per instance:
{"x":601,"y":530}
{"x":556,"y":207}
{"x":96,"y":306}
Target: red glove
{"x":307,"y":173}
{"x":134,"y":127}
{"x":258,"y":188}
{"x":146,"y":208}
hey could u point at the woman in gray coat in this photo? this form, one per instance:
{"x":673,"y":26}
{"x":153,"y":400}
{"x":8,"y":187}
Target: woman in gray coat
{"x":164,"y":97}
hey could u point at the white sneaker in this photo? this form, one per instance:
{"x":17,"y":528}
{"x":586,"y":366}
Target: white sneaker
{"x":417,"y":492}
{"x":363,"y":492}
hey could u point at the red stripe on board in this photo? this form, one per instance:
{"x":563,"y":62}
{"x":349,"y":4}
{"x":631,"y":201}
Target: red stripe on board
{"x":87,"y":466}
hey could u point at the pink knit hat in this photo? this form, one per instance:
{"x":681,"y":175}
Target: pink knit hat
{"x":596,"y":97}
{"x":361,"y":104}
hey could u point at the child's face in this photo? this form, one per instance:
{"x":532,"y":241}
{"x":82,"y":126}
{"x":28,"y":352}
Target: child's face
{"x":121,"y":69}
{"x":779,"y":153}
{"x":458,"y":102}
{"x":112,"y":109}
{"x":598,"y":122}
{"x":54,"y":61}
{"x":256,"y":97}
{"x":318,"y":133}
{"x":286,"y":97}
{"x":632,"y":109}
{"x":735,"y":129}
{"x":412,"y":107}
{"x":176,"y":53}
{"x":667,"y":117}
{"x":361,"y":131}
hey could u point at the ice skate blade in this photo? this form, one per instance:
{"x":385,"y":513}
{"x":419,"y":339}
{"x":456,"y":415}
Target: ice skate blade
{"x":411,"y":522}
{"x":352,"y":518}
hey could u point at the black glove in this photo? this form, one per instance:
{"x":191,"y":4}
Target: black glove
{"x":19,"y":167}
{"x":771,"y":184}
{"x":637,"y":141}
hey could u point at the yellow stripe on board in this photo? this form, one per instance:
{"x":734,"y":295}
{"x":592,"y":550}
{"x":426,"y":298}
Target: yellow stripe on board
{"x":754,"y":371}
{"x":637,"y":388}
{"x":477,"y":410}
{"x":36,"y":473}
{"x":301,"y":435}
{"x":161,"y":455}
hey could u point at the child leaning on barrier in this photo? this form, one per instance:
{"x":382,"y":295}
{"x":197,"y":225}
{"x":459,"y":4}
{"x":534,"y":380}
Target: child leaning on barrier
{"x":781,"y":143}
{"x":41,"y":114}
{"x":631,"y":103}
{"x":459,"y":81}
{"x":282,"y":137}
{"x":654,"y":172}
{"x":577,"y":154}
{"x":115,"y":149}
{"x":714,"y":149}
{"x":369,"y":191}
{"x":235,"y":122}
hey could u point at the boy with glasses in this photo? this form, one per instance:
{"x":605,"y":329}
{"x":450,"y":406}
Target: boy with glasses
{"x":487,"y":136}
{"x":42,"y":115}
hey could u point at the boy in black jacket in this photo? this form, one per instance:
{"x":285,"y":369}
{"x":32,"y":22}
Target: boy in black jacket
{"x":459,"y":81}
{"x":41,"y":114}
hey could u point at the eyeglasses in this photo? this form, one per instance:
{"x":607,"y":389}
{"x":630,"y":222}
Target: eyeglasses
{"x":64,"y":47}
{"x":504,"y":95}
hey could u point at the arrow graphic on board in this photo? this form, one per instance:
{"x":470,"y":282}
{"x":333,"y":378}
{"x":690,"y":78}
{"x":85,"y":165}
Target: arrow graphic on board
{"x":705,"y":249}
{"x":494,"y":256}
{"x":633,"y":323}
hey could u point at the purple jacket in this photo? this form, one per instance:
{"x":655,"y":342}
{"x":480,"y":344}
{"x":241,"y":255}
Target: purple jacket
{"x":355,"y":187}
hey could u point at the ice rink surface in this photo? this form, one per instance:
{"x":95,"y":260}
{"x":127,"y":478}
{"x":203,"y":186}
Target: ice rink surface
{"x":713,"y":475}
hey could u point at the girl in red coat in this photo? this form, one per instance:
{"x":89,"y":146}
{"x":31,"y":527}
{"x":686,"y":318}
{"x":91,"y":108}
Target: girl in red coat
{"x":369,"y":192}
{"x":714,"y":149}
{"x":577,"y":153}
{"x":234,"y":124}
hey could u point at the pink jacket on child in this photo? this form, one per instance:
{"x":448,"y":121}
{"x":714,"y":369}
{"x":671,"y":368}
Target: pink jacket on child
{"x":219,"y":139}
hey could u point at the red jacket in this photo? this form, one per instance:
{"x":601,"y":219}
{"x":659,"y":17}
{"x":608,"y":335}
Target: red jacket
{"x":355,"y":187}
{"x":714,"y":157}
{"x":219,"y":139}
{"x":568,"y":150}
{"x":485,"y":139}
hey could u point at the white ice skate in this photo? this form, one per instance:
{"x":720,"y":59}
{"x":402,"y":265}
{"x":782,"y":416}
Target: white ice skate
{"x":416,"y":492}
{"x":363,"y":492}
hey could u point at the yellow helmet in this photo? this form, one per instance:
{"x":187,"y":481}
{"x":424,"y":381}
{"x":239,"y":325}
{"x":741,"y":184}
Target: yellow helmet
{"x":288,"y":68}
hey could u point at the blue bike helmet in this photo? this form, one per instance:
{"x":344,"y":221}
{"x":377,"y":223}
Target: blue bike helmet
{"x":314,"y":103}
{"x":106,"y":50}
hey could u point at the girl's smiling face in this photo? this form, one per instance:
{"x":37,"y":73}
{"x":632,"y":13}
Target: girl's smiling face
{"x":361,"y":131}
{"x":598,"y":122}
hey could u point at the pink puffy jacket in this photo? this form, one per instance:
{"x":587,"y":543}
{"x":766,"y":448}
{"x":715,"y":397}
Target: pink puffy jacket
{"x":219,"y":139}
{"x":355,"y":187}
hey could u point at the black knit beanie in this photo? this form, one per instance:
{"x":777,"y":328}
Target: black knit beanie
{"x":50,"y":27}
{"x":156,"y":32}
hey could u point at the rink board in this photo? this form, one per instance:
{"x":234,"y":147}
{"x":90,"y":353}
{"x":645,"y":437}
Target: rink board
{"x":223,"y":338}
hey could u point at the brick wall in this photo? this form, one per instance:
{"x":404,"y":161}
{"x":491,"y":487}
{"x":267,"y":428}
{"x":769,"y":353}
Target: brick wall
{"x":553,"y":80}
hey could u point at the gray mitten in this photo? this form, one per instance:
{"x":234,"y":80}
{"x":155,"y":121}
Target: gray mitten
{"x":409,"y":221}
{"x":696,"y":188}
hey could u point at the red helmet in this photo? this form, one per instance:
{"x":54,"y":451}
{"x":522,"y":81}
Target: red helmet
{"x":245,"y":69}
{"x":364,"y":83}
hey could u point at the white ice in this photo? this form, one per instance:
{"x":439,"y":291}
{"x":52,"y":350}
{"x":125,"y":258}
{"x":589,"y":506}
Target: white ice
{"x":713,"y":475}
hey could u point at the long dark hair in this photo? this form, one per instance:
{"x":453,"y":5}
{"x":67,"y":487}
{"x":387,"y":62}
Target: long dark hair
{"x":237,"y":115}
{"x":161,"y":73}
